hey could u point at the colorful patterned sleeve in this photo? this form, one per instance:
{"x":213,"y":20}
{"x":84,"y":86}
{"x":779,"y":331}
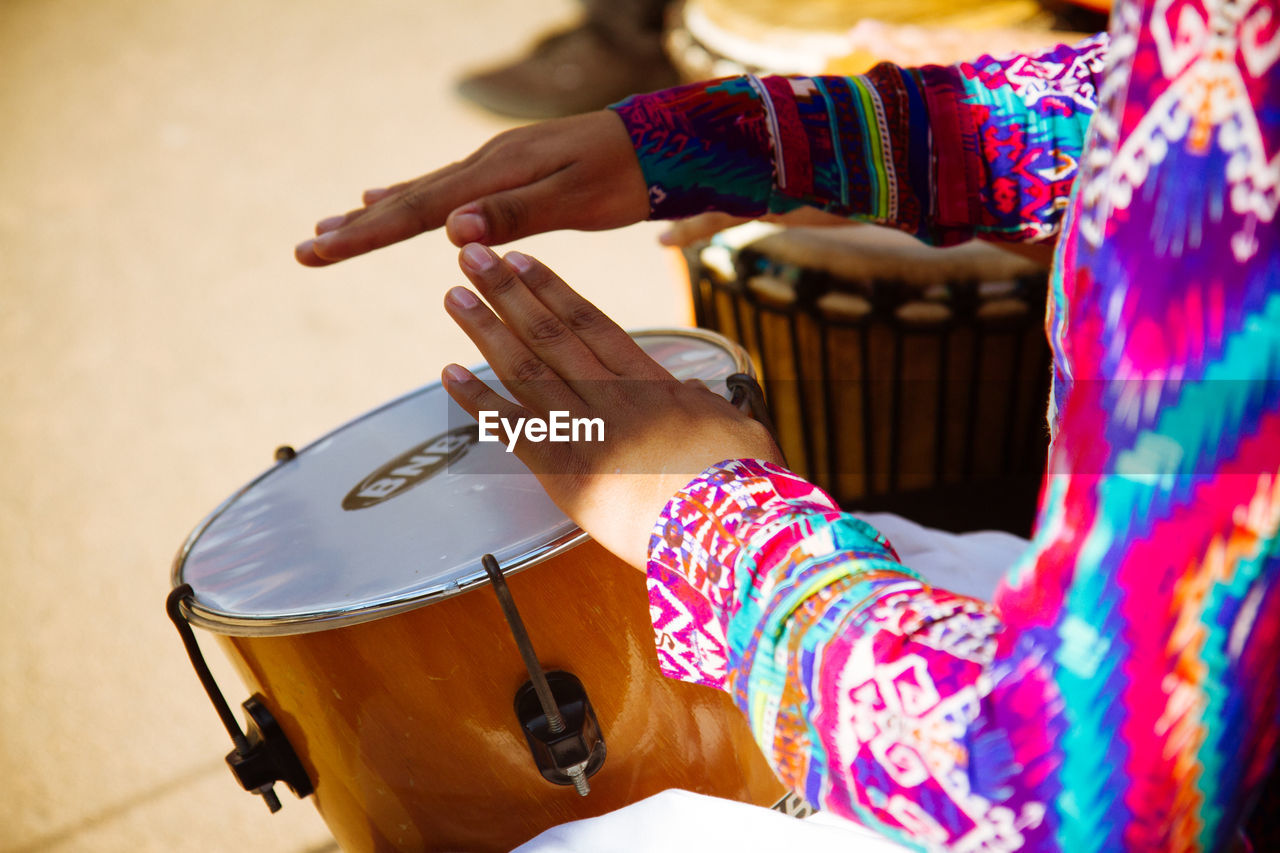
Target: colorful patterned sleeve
{"x":865,"y":686}
{"x":984,"y":148}
{"x":1105,"y":711}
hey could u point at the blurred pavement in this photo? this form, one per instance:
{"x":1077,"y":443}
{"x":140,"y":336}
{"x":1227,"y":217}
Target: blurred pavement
{"x":158,"y":162}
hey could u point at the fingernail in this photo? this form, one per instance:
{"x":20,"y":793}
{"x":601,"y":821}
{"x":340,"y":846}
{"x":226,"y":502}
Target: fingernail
{"x":522,"y":262}
{"x":467,"y":227}
{"x":329,"y":223}
{"x":478,"y":258}
{"x":305,"y":247}
{"x":462,"y":297}
{"x":455,"y":375}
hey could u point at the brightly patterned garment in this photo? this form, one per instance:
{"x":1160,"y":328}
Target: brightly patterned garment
{"x":1121,"y":691}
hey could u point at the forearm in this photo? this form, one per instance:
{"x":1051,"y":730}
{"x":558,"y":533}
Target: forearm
{"x":987,"y":148}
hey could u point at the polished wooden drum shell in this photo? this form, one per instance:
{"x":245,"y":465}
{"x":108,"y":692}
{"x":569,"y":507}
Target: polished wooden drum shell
{"x":406,"y":727}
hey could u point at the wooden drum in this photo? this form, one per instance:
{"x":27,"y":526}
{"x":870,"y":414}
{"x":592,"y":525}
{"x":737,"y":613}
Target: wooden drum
{"x":721,"y":38}
{"x":901,"y":377}
{"x":346,"y":586}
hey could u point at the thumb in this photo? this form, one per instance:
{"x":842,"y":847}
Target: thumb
{"x":500,"y":217}
{"x":600,"y":189}
{"x":549,"y":204}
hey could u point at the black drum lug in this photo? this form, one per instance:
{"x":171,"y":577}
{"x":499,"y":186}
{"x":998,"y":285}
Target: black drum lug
{"x":269,"y":757}
{"x":262,"y":757}
{"x":578,"y":745}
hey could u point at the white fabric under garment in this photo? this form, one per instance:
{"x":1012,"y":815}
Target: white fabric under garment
{"x":678,"y":821}
{"x":967,"y":563}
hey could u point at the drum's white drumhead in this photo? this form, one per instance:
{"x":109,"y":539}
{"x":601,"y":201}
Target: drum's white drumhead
{"x":390,"y":512}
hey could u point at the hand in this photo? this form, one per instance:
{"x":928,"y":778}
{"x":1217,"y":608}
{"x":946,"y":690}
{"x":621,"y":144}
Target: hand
{"x":556,"y":351}
{"x":579,"y":172}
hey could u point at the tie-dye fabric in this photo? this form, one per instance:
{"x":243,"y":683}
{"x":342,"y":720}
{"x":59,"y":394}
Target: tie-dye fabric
{"x":1122,"y":691}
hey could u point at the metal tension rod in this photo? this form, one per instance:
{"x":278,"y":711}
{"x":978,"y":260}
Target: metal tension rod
{"x":555,"y":720}
{"x":173,"y":606}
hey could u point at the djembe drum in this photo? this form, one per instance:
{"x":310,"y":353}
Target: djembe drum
{"x":721,"y":38}
{"x":901,"y":377}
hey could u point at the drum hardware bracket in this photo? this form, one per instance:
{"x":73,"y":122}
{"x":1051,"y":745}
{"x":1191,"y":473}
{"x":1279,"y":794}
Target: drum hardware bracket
{"x":264,"y":755}
{"x":742,"y":388}
{"x":553,"y":709}
{"x":573,"y":754}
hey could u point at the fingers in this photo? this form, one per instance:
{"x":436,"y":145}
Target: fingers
{"x":533,"y":383}
{"x":550,"y":346}
{"x":474,"y":396}
{"x":545,"y":334}
{"x":577,"y":172}
{"x":684,"y":232}
{"x":369,"y":198}
{"x":373,"y":196}
{"x":390,"y":215}
{"x":443,"y":198}
{"x":612,"y":346}
{"x":331,"y":223}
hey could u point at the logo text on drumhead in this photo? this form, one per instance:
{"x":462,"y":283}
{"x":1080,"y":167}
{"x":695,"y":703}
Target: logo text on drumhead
{"x":558,"y":427}
{"x":410,"y":468}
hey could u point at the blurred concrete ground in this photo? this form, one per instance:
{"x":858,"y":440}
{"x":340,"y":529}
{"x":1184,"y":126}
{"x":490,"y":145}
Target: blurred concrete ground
{"x":158,"y":161}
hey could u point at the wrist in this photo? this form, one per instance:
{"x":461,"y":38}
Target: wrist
{"x":705,"y":527}
{"x":701,"y":147}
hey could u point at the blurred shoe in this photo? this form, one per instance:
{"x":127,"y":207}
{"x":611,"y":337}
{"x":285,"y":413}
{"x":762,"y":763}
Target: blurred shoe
{"x":571,"y":72}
